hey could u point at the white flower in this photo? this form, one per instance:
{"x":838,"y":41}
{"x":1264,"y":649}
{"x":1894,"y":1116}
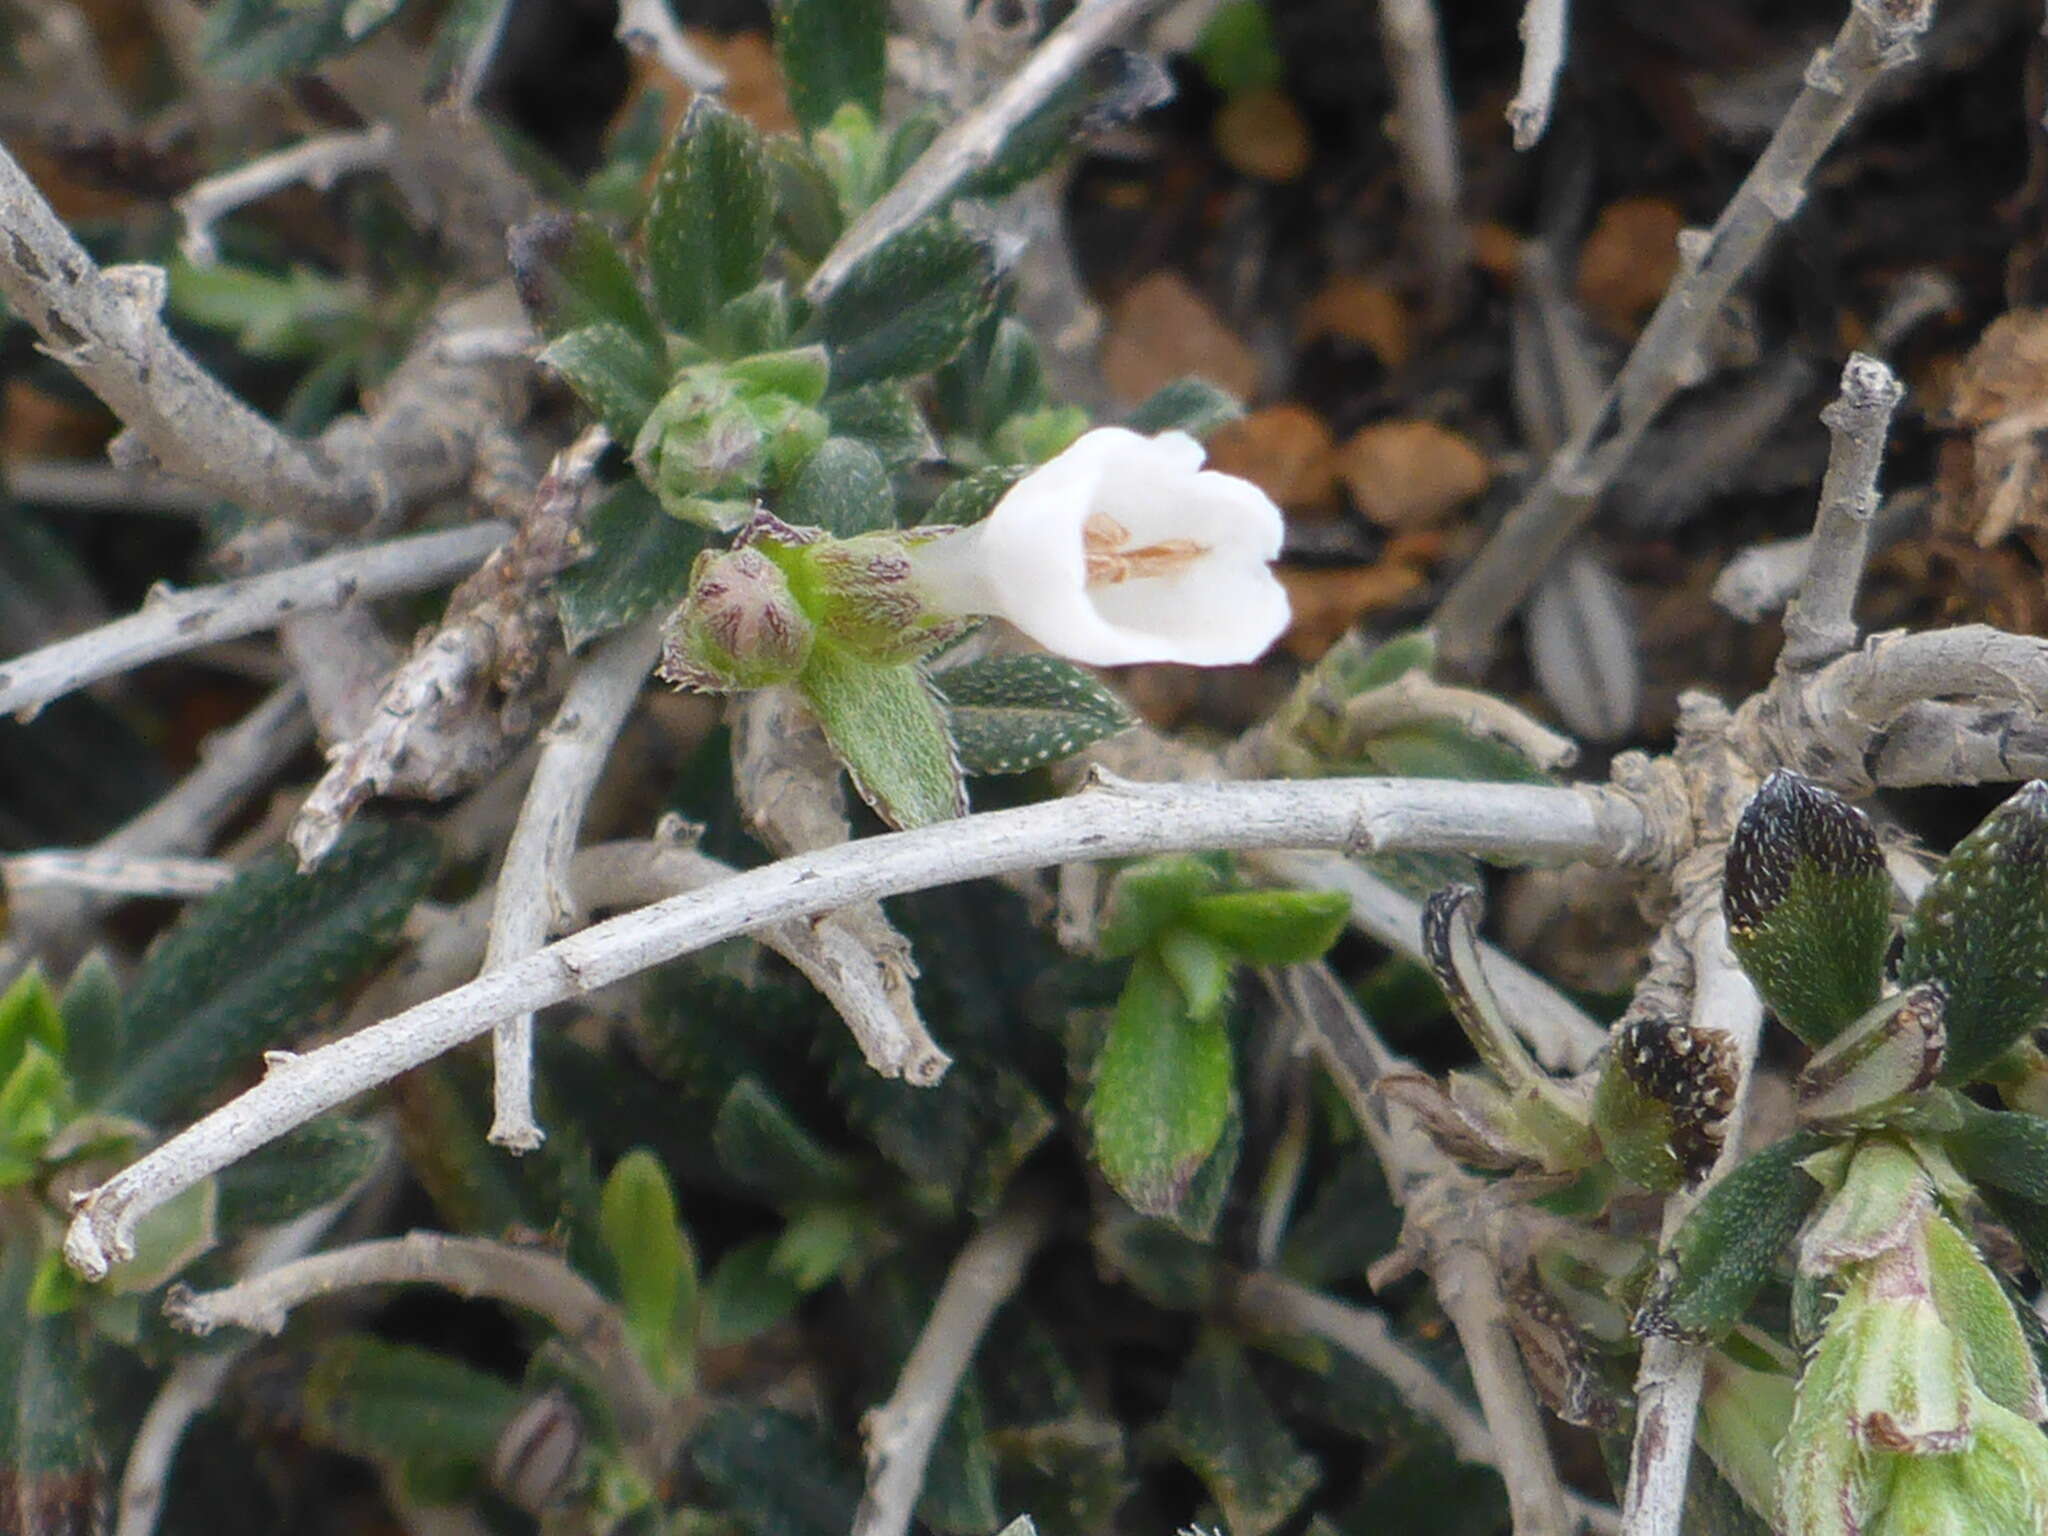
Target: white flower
{"x":1122,"y":549}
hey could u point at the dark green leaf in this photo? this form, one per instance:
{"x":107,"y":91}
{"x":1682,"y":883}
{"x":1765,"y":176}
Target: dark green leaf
{"x":909,"y":306}
{"x":763,"y":1146}
{"x":775,"y":1473}
{"x":711,"y":219}
{"x":832,"y":53}
{"x":1981,"y":929}
{"x":307,"y":1167}
{"x":91,"y":1006}
{"x":887,"y":419}
{"x":996,"y":376}
{"x":1273,"y":927}
{"x":396,"y":1403}
{"x":746,"y":1294}
{"x":612,"y":373}
{"x":1354,"y":667}
{"x":51,"y":1477}
{"x":1808,"y":905}
{"x":2006,"y":1149}
{"x":843,"y":488}
{"x":1161,"y":1093}
{"x":887,"y":729}
{"x":973,"y":496}
{"x":1010,"y":714}
{"x":757,"y":321}
{"x":959,"y":1494}
{"x":1148,"y":896}
{"x":1663,"y":1100}
{"x":570,"y":274}
{"x":257,"y":958}
{"x":639,"y":563}
{"x":1193,"y":406}
{"x":1222,"y":1427}
{"x":1730,"y":1244}
{"x":807,"y":211}
{"x":1893,"y":1050}
{"x":252,"y":40}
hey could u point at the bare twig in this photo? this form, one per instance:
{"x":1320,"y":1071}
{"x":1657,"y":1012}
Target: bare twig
{"x":112,"y":874}
{"x":195,"y":1382}
{"x":171,"y":622}
{"x":319,"y":163}
{"x":457,"y":707}
{"x":1113,"y":820}
{"x":79,"y":485}
{"x":900,"y":1433}
{"x":533,"y":892}
{"x":973,"y":140}
{"x":1425,"y":131}
{"x":1671,"y":1372}
{"x":648,"y":28}
{"x":1544,"y":23}
{"x":528,"y":1278}
{"x":1875,"y":37}
{"x":1820,"y":624}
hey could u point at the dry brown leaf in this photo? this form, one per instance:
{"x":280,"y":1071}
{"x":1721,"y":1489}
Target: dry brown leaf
{"x":1411,"y":474}
{"x":1288,"y":452}
{"x":2000,"y":397}
{"x":1328,"y":601}
{"x":1262,"y":134}
{"x":1497,"y":251}
{"x":1628,"y":260}
{"x":1355,"y":310}
{"x":35,"y":425}
{"x":1163,"y":330}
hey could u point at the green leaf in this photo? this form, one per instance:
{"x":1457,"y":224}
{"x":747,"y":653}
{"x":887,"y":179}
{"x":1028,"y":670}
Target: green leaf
{"x":1730,"y":1244}
{"x":1200,"y":967}
{"x":257,"y":958}
{"x":657,"y":1269}
{"x":711,"y":219}
{"x":832,"y":53}
{"x":761,"y":1144}
{"x":319,"y":1161}
{"x":808,"y":215}
{"x":1808,"y":904}
{"x":2006,"y":1149}
{"x":1148,"y":896}
{"x":1222,"y":1427}
{"x":91,"y":1006}
{"x":1893,"y":1050}
{"x":29,"y":1016}
{"x":34,"y":1100}
{"x":1273,"y":927}
{"x":396,"y":1403}
{"x":775,"y":1474}
{"x":843,"y":488}
{"x":973,"y":496}
{"x":1161,"y":1093}
{"x":1010,"y":714}
{"x":570,"y":274}
{"x":639,"y":563}
{"x":1976,"y":1306}
{"x":886,"y":728}
{"x":168,"y":1238}
{"x":910,"y":305}
{"x":1236,"y":50}
{"x":1194,"y":406}
{"x":758,"y":321}
{"x":888,"y":419}
{"x":959,"y":1493}
{"x":746,"y":1295}
{"x":996,"y":376}
{"x":819,"y":1242}
{"x":1981,"y":929}
{"x":612,"y":373}
{"x":53,"y":1464}
{"x":1662,"y":1103}
{"x":253,"y":40}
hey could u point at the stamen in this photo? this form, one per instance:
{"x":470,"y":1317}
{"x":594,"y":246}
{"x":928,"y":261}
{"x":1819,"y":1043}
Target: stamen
{"x":1108,"y":562}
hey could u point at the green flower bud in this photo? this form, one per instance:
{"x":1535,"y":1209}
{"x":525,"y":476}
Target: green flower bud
{"x":703,"y":450}
{"x":739,"y":628}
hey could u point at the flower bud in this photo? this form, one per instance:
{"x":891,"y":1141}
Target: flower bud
{"x":739,"y":628}
{"x":703,"y":450}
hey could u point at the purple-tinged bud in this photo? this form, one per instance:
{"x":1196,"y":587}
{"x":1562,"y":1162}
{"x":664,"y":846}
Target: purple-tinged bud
{"x":865,"y":594}
{"x":739,"y":628}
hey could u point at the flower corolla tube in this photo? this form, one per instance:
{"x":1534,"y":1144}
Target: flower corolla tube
{"x":1122,"y":549}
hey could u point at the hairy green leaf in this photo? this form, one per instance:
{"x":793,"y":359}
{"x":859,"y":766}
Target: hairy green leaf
{"x":843,"y":488}
{"x":1194,"y":406}
{"x":639,"y":563}
{"x":1272,"y":927}
{"x":620,"y":380}
{"x":306,"y":1167}
{"x":657,"y":1268}
{"x":888,"y":419}
{"x":832,"y":54}
{"x":775,"y":1474}
{"x":711,"y":219}
{"x":91,"y":1006}
{"x":762,"y":1145}
{"x":1221,"y":1425}
{"x":1808,"y":904}
{"x":1981,"y":930}
{"x":1149,"y":896}
{"x":746,"y":1294}
{"x":396,"y":1402}
{"x":570,"y":274}
{"x":973,"y":496}
{"x":257,"y":958}
{"x":1161,"y":1093}
{"x":1010,"y":714}
{"x":885,"y":726}
{"x":909,"y":306}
